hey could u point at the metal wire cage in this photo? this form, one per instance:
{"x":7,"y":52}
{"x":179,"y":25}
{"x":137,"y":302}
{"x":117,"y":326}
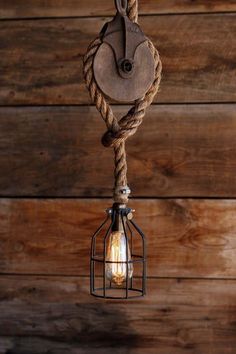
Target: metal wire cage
{"x":118,"y":257}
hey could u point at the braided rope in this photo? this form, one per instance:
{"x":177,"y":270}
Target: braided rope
{"x":119,"y":131}
{"x":133,"y":10}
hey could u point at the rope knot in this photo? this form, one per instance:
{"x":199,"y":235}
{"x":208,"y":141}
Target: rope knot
{"x":110,"y":138}
{"x":126,"y":127}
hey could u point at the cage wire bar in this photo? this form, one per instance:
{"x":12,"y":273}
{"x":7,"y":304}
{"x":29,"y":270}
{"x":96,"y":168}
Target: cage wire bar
{"x":132,"y":233}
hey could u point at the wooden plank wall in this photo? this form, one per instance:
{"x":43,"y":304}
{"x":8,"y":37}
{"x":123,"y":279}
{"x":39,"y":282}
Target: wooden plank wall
{"x":56,"y":181}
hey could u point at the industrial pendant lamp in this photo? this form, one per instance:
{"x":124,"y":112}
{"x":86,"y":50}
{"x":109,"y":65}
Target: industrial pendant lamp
{"x":123,"y":65}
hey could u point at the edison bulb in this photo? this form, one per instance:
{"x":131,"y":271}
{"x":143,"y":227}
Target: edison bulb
{"x":116,"y":271}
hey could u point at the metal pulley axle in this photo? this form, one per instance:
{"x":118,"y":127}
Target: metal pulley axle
{"x":124,"y":66}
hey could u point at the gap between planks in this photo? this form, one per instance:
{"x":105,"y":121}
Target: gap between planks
{"x":87,"y":276}
{"x":110,"y":16}
{"x":117,"y":105}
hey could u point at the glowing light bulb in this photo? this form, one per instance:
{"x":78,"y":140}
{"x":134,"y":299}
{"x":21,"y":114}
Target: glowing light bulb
{"x":116,"y":271}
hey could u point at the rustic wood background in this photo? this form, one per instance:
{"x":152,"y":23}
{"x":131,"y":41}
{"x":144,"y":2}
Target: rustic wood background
{"x":56,"y":181}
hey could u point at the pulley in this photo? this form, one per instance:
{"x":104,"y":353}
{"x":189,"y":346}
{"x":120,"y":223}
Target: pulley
{"x":124,"y":67}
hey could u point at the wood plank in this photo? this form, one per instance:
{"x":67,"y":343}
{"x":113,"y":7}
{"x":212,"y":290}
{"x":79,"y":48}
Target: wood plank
{"x":180,"y":150}
{"x":186,"y":238}
{"x":58,"y":315}
{"x":41,"y":61}
{"x":68,"y":8}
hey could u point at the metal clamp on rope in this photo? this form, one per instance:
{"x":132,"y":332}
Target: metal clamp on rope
{"x":122,"y":190}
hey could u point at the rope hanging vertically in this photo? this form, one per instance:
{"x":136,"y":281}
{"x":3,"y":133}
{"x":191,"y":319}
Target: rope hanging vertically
{"x":119,"y":130}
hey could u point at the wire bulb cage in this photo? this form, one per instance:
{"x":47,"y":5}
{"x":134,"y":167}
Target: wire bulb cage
{"x":118,"y":257}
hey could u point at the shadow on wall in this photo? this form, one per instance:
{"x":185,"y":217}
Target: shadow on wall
{"x":77,"y":329}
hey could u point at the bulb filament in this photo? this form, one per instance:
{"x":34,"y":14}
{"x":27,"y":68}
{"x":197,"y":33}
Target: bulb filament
{"x":116,"y":269}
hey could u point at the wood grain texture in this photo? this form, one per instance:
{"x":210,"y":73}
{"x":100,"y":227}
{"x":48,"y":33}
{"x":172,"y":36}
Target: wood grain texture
{"x":67,"y":8}
{"x":179,"y":151}
{"x":186,"y":238}
{"x":182,"y":150}
{"x":56,"y":315}
{"x":41,"y":61}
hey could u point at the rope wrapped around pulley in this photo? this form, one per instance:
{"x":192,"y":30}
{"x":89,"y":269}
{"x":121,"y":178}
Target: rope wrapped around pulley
{"x":119,"y":130}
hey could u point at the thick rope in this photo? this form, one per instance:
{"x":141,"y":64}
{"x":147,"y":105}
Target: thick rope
{"x":119,"y":131}
{"x":133,"y":10}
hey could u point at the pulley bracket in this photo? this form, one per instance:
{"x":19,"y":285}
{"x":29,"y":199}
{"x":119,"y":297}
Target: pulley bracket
{"x":124,"y":37}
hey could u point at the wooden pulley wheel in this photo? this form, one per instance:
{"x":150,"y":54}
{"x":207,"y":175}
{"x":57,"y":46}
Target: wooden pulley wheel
{"x":124,"y":67}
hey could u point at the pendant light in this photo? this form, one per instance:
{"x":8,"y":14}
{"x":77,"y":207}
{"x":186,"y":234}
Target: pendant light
{"x":123,"y":65}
